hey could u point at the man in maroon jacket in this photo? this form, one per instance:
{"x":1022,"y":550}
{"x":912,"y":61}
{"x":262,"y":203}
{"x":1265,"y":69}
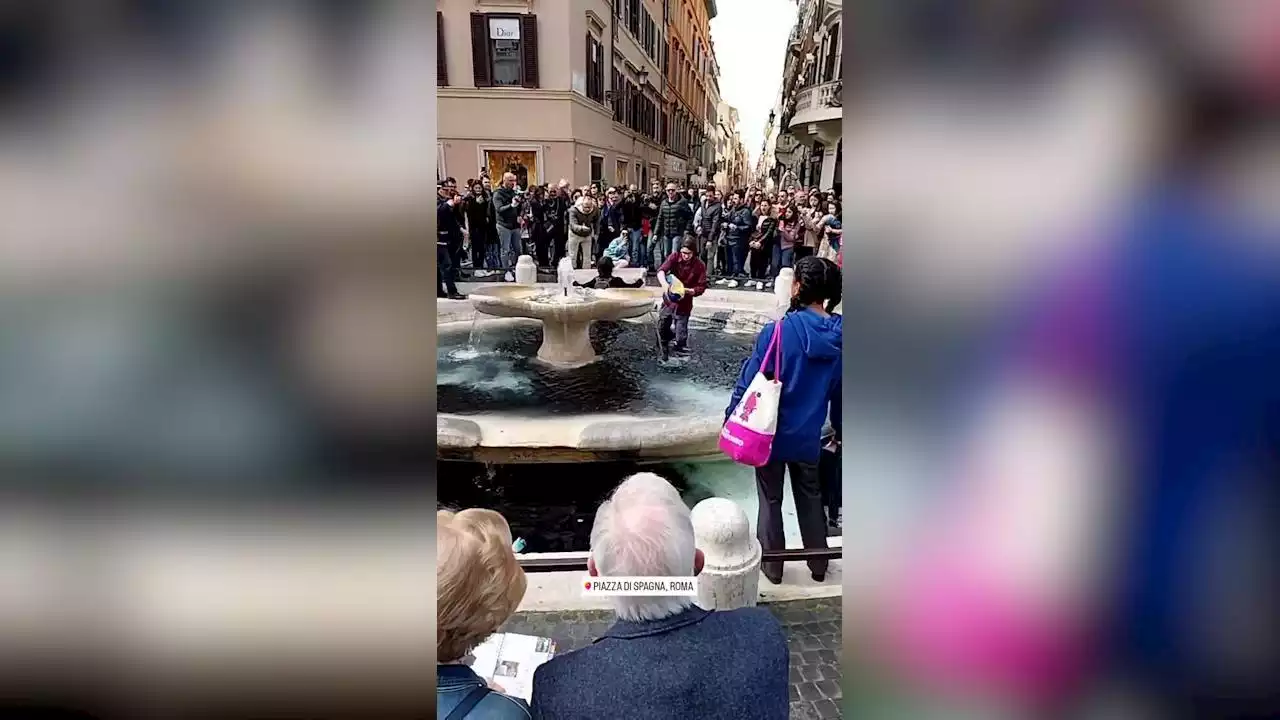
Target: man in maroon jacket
{"x":685,"y":265}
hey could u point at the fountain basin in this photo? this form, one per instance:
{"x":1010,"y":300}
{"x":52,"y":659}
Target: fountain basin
{"x":502,"y":439}
{"x":566,"y":321}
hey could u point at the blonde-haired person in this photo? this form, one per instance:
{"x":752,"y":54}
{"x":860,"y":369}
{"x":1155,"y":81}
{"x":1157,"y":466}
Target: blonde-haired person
{"x":583,"y":219}
{"x":479,"y":584}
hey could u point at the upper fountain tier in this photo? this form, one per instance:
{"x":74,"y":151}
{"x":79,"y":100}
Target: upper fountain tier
{"x":566,"y":314}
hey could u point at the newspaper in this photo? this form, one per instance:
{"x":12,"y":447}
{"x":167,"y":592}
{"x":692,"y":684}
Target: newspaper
{"x":507,"y":660}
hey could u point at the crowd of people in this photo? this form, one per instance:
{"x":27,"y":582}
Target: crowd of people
{"x":743,"y":236}
{"x":651,"y":662}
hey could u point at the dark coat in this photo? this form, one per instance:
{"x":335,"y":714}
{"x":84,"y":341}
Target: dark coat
{"x":650,"y":204}
{"x":674,"y":218}
{"x":504,"y":214}
{"x":632,"y":211}
{"x":740,"y":222}
{"x":708,"y":665}
{"x":693,"y":273}
{"x":610,"y":222}
{"x":448,"y":231}
{"x":479,"y":214}
{"x":711,"y":216}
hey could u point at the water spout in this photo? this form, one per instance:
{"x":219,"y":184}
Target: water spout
{"x":564,"y":275}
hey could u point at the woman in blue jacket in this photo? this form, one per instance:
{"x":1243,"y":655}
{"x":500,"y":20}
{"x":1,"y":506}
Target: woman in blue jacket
{"x":810,"y":374}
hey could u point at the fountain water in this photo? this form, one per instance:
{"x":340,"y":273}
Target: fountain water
{"x":564,"y":275}
{"x":566,"y":313}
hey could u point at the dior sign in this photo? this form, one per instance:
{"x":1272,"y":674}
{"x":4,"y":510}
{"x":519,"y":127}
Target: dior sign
{"x":504,"y":29}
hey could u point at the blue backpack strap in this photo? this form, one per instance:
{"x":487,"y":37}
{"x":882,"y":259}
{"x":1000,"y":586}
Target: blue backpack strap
{"x":472,"y":699}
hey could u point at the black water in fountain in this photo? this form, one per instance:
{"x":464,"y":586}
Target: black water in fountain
{"x":630,"y":376}
{"x":550,"y":505}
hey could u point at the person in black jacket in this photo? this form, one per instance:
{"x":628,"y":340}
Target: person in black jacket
{"x":675,"y":218}
{"x":709,"y":219}
{"x":534,"y":216}
{"x":649,"y":207}
{"x":739,"y":224}
{"x":762,"y":241}
{"x":506,"y":215}
{"x":558,"y":204}
{"x":478,"y":211}
{"x":448,"y":243}
{"x":610,"y":222}
{"x":633,"y":222}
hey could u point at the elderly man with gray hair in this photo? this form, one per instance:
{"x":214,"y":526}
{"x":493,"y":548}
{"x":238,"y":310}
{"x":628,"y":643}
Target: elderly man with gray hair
{"x":664,"y":657}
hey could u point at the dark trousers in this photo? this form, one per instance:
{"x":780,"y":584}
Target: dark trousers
{"x":458,"y":253}
{"x":806,"y":491}
{"x":832,"y":490}
{"x":558,"y":239}
{"x":782,"y":257}
{"x":446,"y":272}
{"x":542,"y":248}
{"x":737,"y":256}
{"x":802,"y":251}
{"x":479,"y":245}
{"x":666,"y":317}
{"x":760,"y":262}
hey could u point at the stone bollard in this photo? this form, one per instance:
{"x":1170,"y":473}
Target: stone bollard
{"x":526,"y":271}
{"x":730,"y":575}
{"x":782,"y":290}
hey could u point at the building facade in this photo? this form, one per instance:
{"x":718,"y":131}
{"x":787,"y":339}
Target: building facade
{"x":731,"y":157}
{"x":574,"y":91}
{"x":806,"y":146}
{"x":690,"y":63}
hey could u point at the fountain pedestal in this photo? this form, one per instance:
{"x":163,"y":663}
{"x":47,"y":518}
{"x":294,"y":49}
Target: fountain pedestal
{"x":566,"y":315}
{"x":566,"y":344}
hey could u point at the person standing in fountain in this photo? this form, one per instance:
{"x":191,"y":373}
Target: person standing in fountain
{"x":812,"y":343}
{"x":685,"y":265}
{"x":605,"y":279}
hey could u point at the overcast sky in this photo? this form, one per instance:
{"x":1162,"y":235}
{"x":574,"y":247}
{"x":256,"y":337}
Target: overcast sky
{"x":750,"y":38}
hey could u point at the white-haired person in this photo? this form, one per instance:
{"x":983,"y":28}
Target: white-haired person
{"x":665,"y":657}
{"x":479,"y":584}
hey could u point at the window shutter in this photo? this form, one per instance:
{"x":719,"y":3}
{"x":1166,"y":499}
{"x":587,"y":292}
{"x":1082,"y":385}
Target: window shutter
{"x":480,"y":70}
{"x":442,"y":67}
{"x":529,"y":49}
{"x":591,"y":68}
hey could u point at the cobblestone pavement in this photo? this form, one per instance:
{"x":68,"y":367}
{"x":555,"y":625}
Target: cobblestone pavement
{"x":813,"y":633}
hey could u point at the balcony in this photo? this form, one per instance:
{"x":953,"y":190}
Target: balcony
{"x":817,"y":104}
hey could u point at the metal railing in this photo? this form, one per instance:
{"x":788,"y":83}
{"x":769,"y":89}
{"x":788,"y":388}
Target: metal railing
{"x":579,"y":560}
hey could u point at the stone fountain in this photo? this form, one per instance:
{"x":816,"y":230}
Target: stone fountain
{"x":566,"y":313}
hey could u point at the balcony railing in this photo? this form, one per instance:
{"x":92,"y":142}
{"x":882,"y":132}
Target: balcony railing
{"x":816,"y":98}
